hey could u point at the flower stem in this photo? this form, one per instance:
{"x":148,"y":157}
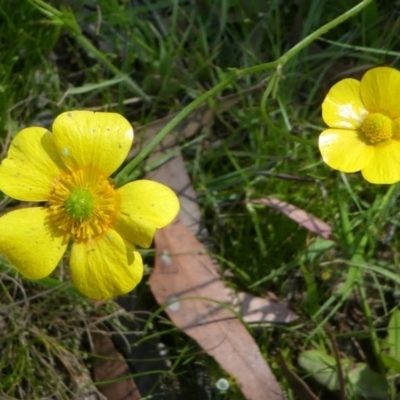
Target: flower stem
{"x":123,"y":176}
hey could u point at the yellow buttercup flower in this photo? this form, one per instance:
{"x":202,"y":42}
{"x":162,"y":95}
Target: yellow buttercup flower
{"x":364,"y":121}
{"x":69,"y":169}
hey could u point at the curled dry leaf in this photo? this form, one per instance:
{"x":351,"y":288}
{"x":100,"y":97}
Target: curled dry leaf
{"x":303,"y":218}
{"x":186,"y":282}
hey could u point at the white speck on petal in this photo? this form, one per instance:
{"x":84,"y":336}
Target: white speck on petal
{"x":173,"y":303}
{"x":65,"y":152}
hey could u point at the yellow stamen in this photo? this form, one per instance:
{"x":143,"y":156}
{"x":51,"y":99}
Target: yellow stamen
{"x":377,"y":128}
{"x":83,"y":203}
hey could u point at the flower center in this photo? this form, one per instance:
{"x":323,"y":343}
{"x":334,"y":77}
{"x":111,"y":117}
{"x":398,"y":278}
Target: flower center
{"x":80,"y":204}
{"x":377,"y":128}
{"x":83,"y":204}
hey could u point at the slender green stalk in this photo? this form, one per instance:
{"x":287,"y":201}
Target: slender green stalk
{"x":123,"y":176}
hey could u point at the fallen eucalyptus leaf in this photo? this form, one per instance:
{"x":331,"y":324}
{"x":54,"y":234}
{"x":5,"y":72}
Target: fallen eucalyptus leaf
{"x":186,"y":282}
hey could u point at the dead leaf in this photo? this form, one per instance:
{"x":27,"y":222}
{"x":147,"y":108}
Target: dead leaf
{"x":111,"y":367}
{"x":303,"y":218}
{"x":186,"y":282}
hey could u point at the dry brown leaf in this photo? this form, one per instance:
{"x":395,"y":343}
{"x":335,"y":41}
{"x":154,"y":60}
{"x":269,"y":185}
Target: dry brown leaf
{"x":186,"y":281}
{"x":111,"y":366}
{"x":303,"y":218}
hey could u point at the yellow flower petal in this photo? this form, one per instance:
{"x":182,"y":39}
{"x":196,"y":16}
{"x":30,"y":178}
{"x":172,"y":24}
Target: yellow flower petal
{"x":145,"y":207}
{"x":30,"y":243}
{"x":105,"y":267}
{"x":384,"y":167}
{"x":380,"y":91}
{"x":342,"y":107}
{"x":344,"y":150}
{"x":31,"y":165}
{"x":99,"y":140}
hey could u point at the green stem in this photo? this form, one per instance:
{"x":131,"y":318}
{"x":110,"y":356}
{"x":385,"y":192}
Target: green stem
{"x":123,"y":176}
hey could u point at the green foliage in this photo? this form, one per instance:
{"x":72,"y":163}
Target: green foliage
{"x":25,"y":45}
{"x":149,"y":59}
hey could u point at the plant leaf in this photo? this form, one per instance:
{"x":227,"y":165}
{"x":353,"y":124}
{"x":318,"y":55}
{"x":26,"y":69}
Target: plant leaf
{"x":321,"y":366}
{"x":367,"y":383}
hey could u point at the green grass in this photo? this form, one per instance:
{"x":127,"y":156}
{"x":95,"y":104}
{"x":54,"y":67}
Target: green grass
{"x":149,"y":59}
